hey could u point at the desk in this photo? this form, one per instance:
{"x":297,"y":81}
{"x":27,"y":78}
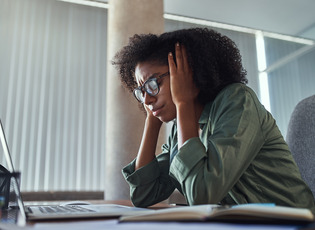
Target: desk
{"x":112,"y":223}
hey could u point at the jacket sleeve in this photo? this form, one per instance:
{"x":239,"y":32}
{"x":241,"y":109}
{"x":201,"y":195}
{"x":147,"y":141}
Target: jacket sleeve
{"x":208,"y":169}
{"x":150,"y":184}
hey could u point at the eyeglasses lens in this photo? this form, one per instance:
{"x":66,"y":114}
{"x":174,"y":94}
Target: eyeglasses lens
{"x":151,"y":87}
{"x":139,"y":95}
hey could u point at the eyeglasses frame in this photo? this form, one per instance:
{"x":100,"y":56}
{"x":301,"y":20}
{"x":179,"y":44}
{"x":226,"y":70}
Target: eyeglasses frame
{"x":142,"y":88}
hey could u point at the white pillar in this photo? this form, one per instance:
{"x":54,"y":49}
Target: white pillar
{"x":124,"y":120}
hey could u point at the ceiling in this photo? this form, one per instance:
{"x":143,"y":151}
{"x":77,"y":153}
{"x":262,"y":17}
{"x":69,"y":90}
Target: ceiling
{"x":288,"y":17}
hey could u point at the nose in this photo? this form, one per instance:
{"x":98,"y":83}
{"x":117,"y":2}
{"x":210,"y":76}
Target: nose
{"x":148,"y":100}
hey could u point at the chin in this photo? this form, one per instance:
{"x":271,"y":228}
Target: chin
{"x":166,"y":119}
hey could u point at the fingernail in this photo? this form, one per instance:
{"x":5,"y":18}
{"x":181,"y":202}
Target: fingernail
{"x":170,"y":53}
{"x":177,"y":44}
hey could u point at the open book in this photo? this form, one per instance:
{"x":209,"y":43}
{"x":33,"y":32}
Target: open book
{"x":238,"y":213}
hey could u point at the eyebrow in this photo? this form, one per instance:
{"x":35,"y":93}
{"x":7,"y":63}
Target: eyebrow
{"x":150,"y":77}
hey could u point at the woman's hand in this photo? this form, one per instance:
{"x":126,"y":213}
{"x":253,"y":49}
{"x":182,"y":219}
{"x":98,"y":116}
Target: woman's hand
{"x":149,"y":140}
{"x":184,"y":94}
{"x":151,"y":118}
{"x":183,"y":89}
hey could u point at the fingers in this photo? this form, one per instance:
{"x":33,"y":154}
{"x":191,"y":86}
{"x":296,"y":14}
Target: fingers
{"x":184,"y":58}
{"x":180,"y":57}
{"x":171,"y":63}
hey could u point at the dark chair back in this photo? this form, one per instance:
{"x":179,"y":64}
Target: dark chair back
{"x":301,"y":139}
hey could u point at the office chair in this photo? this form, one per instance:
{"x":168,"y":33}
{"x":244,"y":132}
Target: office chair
{"x":301,"y":139}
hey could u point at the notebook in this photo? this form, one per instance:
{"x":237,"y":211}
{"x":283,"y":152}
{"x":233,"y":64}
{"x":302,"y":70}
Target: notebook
{"x":21,"y":213}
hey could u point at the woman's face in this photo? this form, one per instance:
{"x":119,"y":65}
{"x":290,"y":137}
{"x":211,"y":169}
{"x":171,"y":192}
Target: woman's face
{"x":161,"y":105}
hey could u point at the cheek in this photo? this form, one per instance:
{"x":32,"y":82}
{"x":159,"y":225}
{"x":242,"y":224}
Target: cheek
{"x":165,"y":90}
{"x":171,"y":111}
{"x":167,"y":95}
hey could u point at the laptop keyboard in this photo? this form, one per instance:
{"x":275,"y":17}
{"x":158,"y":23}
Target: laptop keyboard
{"x":63,"y":209}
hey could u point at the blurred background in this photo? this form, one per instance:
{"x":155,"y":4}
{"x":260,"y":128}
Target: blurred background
{"x":53,"y":75}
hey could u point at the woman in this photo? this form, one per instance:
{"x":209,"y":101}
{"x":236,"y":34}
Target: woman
{"x":224,"y":146}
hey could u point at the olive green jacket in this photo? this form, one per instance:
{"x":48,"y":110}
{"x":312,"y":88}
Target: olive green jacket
{"x":240,"y":157}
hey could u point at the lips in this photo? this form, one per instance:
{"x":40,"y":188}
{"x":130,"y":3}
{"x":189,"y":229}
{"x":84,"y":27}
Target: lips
{"x":157,"y":111}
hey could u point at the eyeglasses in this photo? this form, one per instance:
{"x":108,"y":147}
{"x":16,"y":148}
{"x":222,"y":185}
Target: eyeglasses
{"x":151,"y":87}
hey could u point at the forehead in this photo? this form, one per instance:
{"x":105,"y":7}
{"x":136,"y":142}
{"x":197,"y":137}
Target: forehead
{"x":145,"y":70}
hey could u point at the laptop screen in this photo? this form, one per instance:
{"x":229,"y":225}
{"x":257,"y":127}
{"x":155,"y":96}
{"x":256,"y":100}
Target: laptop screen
{"x":12,"y":214}
{"x":6,"y":149}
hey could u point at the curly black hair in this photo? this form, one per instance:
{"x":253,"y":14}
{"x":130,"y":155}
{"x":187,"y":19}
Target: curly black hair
{"x":215,"y":59}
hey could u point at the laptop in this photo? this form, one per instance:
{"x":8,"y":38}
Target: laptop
{"x":21,"y":213}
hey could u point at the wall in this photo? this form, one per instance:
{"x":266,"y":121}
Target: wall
{"x":52,"y":88}
{"x":52,"y":97}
